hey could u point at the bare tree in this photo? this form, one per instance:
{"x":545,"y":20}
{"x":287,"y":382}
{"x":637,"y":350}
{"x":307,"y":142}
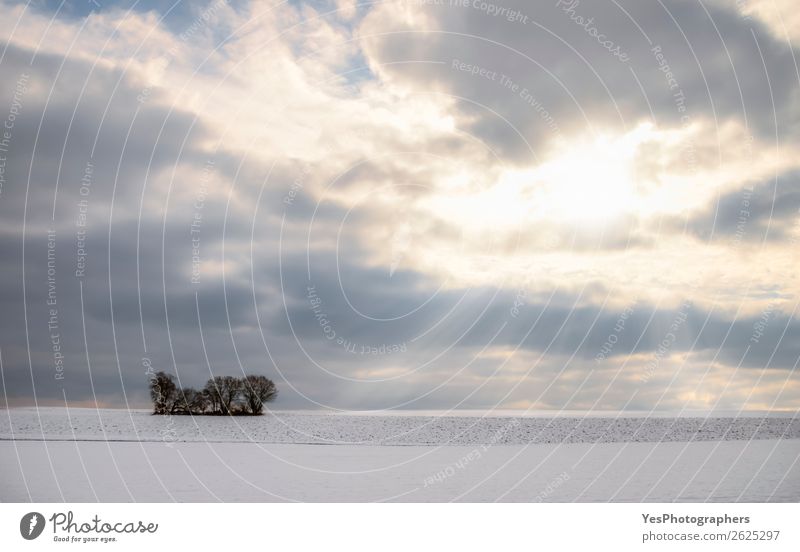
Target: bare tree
{"x":198,"y":402}
{"x":191,"y":401}
{"x":230,"y":389}
{"x":223,"y":392}
{"x":221,"y":395}
{"x":256,"y":391}
{"x":163,"y":393}
{"x":212,"y":393}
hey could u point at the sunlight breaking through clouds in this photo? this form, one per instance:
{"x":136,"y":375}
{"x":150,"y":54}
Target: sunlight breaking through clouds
{"x":456,"y":187}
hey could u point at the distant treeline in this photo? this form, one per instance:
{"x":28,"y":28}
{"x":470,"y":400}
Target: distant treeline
{"x":222,"y":395}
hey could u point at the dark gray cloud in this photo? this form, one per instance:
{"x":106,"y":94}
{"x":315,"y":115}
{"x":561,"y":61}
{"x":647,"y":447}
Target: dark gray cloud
{"x":757,"y":213}
{"x":714,"y":54}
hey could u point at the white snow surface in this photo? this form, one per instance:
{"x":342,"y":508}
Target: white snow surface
{"x":82,"y":455}
{"x":288,"y":427}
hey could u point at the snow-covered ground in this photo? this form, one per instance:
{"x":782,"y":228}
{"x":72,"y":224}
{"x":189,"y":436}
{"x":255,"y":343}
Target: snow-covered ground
{"x":86,"y":424}
{"x":116,"y":455}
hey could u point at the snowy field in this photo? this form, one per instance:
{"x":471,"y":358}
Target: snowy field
{"x":116,"y":455}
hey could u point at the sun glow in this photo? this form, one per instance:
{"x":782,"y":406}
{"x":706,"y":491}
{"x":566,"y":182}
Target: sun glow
{"x":591,"y":181}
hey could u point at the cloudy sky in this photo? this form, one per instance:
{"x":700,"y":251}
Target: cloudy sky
{"x":403,"y":204}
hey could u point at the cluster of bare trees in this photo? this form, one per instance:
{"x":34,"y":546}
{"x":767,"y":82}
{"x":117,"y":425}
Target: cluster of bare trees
{"x":222,"y":395}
